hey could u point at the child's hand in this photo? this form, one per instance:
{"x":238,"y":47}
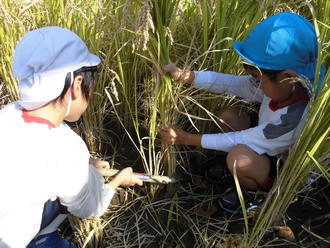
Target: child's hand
{"x":99,"y":163}
{"x":125,"y":177}
{"x":173,"y":135}
{"x":183,"y":76}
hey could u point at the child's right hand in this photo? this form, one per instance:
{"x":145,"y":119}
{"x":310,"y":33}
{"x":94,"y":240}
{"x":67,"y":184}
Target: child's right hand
{"x":183,"y":76}
{"x":125,"y":177}
{"x":172,"y":135}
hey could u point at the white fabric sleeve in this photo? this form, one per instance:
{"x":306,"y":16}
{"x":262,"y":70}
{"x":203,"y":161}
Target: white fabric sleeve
{"x":93,"y":200}
{"x":252,"y":137}
{"x":243,"y":86}
{"x":221,"y":141}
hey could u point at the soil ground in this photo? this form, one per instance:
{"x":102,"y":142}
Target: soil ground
{"x":197,"y":201}
{"x":308,"y":216}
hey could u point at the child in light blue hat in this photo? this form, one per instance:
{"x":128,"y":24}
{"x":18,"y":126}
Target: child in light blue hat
{"x":280,"y":56}
{"x":47,"y":170}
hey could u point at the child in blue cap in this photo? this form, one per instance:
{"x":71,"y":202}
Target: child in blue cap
{"x":280,"y":56}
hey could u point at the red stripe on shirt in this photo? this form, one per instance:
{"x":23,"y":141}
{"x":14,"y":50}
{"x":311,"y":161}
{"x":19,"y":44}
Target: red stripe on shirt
{"x":29,"y":118}
{"x":274,"y":105}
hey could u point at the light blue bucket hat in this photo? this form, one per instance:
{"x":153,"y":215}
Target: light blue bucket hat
{"x":285,"y":41}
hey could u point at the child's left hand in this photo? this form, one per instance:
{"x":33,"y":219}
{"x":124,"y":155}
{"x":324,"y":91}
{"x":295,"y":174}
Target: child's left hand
{"x":99,"y":163}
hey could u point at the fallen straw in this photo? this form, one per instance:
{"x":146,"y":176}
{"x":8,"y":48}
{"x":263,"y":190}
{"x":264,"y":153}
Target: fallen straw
{"x":143,"y":177}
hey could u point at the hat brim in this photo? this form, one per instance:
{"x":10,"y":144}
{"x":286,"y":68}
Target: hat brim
{"x":238,"y":47}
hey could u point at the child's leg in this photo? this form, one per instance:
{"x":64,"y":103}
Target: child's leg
{"x":233,"y":119}
{"x":252,"y":169}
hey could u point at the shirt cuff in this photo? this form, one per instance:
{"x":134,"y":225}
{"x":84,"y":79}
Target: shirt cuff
{"x":109,"y":189}
{"x":197,"y":83}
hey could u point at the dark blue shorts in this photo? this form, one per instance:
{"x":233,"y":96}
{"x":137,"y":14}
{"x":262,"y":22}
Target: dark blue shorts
{"x":50,"y":240}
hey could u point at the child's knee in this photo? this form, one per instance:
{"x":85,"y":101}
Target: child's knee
{"x":240,"y":158}
{"x":233,"y":119}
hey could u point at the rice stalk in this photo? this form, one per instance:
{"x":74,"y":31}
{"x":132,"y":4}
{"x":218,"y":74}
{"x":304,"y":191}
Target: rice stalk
{"x":241,"y":198}
{"x":88,"y":233}
{"x":161,"y":97}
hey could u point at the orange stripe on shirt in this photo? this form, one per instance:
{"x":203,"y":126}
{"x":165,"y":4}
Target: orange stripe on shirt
{"x":29,"y":118}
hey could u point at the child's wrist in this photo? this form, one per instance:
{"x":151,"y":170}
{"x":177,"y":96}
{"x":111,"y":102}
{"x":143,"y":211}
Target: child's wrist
{"x":115,"y":182}
{"x":187,"y":77}
{"x":192,"y":139}
{"x":191,"y":78}
{"x":92,"y":160}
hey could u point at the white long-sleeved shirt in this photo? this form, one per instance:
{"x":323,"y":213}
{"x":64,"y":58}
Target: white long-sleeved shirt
{"x":39,"y":163}
{"x":277,"y":129}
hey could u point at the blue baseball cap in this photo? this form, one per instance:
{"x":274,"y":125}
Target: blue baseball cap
{"x":285,"y":41}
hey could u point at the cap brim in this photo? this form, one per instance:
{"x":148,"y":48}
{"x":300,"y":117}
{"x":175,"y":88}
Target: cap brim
{"x":238,"y":47}
{"x":94,"y":60}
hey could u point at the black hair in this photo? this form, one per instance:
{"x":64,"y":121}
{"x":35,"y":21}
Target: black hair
{"x":89,"y":75}
{"x":272,"y":74}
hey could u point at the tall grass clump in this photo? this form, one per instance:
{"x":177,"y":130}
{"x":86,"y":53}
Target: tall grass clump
{"x":163,"y":97}
{"x":146,"y":99}
{"x":12,"y":28}
{"x":139,"y":104}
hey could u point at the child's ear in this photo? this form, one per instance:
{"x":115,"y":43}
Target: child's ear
{"x":289,"y":74}
{"x":76,"y":87}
